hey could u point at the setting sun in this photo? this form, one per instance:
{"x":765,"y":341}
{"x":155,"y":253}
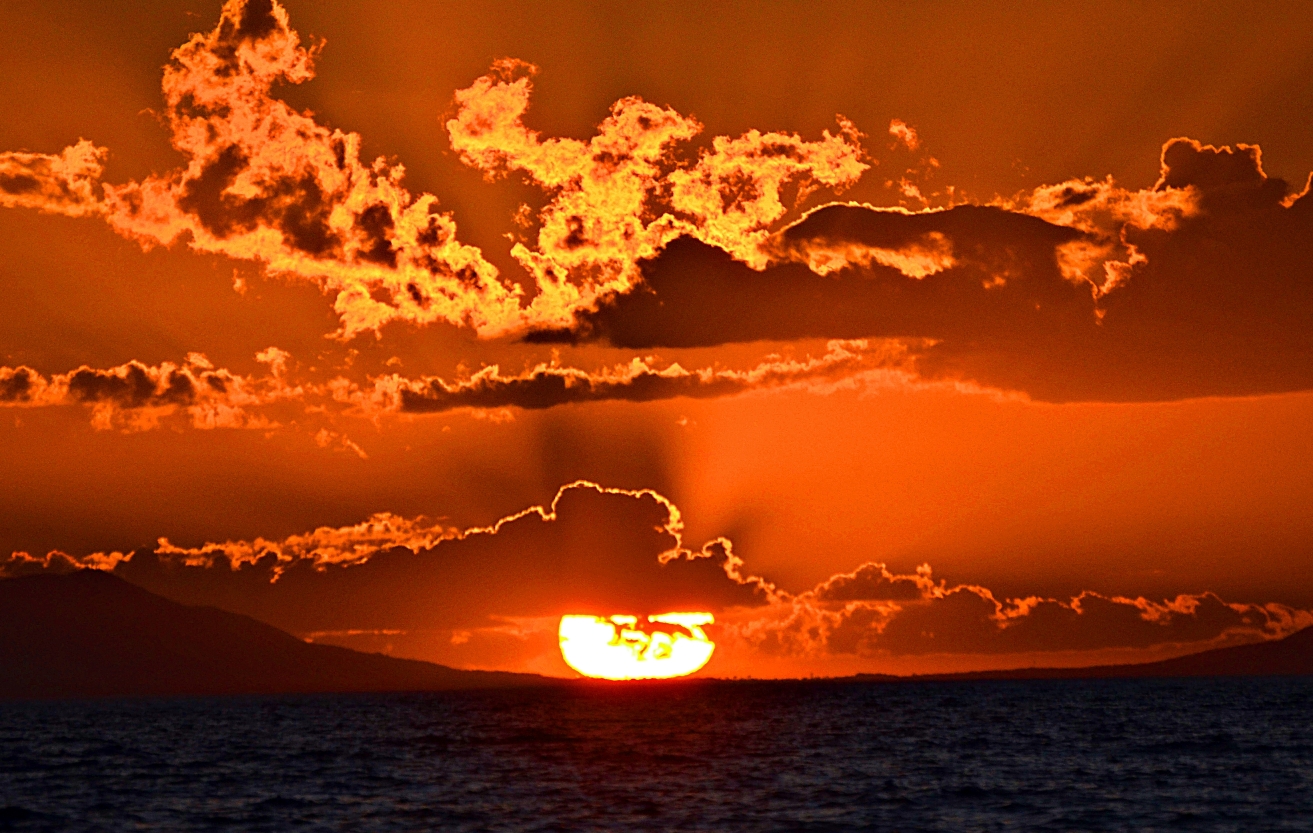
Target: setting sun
{"x":619,"y":648}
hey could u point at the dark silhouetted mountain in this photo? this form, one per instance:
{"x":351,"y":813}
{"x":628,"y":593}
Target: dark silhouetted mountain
{"x":1290,"y":656}
{"x":91,"y":634}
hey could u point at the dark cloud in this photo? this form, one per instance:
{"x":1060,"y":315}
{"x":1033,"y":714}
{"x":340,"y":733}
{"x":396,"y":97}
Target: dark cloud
{"x":871,"y":582}
{"x":256,"y":21}
{"x":295,"y":205}
{"x":873,"y":611}
{"x":695,"y":295}
{"x":133,"y":395}
{"x":18,"y":183}
{"x":546,"y":388}
{"x":130,"y":386}
{"x":549,"y":386}
{"x":604,"y":551}
{"x":965,"y":620}
{"x":600,"y":553}
{"x":16,"y":384}
{"x":1217,"y":302}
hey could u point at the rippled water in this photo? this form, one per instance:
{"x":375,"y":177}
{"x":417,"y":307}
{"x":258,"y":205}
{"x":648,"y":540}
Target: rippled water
{"x":1062,"y":755}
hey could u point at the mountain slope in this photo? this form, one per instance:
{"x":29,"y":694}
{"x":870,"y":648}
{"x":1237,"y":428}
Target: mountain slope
{"x":90,"y":634}
{"x":1289,"y":656}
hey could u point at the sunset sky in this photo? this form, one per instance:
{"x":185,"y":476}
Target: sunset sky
{"x":900,"y":337}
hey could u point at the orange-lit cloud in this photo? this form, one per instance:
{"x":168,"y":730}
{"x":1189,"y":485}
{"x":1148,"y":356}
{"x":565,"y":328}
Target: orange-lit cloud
{"x":872,"y":611}
{"x":623,"y":195}
{"x":136,"y":396}
{"x":549,"y":385}
{"x":904,"y":134}
{"x":917,"y":257}
{"x":23,"y":563}
{"x":1081,"y":291}
{"x":1106,"y":255}
{"x":266,"y":183}
{"x":64,"y":183}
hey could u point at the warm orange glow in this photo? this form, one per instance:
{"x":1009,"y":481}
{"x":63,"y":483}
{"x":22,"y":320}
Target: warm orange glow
{"x":619,"y":649}
{"x":895,"y":364}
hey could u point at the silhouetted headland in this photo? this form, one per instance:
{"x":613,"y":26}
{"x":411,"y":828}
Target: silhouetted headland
{"x":92,"y":634}
{"x":1289,"y":656}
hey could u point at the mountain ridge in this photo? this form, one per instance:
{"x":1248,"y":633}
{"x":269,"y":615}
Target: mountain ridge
{"x":92,"y":634}
{"x":1292,"y":655}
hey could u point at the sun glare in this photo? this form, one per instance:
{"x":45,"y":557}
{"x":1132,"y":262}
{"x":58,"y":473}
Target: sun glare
{"x":620,"y":648}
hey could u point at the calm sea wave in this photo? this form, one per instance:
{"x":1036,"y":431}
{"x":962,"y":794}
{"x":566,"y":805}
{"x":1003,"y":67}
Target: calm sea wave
{"x":1206,"y":755}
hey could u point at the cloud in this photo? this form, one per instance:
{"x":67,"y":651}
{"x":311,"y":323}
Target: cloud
{"x":873,"y":612}
{"x":134,"y":396}
{"x":694,"y":295}
{"x":904,"y":134}
{"x":550,"y":385}
{"x":1083,"y":290}
{"x":607,"y":550}
{"x":1105,"y":256}
{"x":55,"y":561}
{"x":592,"y":548}
{"x":1079,"y":291}
{"x":266,"y":183}
{"x":621,"y":196}
{"x":20,"y":385}
{"x":63,"y":183}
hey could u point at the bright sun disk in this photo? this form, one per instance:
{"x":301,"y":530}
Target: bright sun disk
{"x":619,"y":648}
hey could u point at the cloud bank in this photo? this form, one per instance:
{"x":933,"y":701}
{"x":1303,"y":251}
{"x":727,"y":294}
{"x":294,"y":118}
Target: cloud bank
{"x":266,"y":183}
{"x":136,"y":397}
{"x":547,"y":386}
{"x":606,"y":550}
{"x":1080,"y":291}
{"x":1083,"y":290}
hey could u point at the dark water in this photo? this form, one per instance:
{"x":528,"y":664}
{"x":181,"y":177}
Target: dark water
{"x":1205,"y":755}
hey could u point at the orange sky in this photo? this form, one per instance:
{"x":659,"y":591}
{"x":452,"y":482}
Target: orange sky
{"x":849,"y":290}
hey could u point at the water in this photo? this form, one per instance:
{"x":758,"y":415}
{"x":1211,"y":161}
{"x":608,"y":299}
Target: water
{"x":1203,"y":755}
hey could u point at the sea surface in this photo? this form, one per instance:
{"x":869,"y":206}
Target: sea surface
{"x":1192,"y":754}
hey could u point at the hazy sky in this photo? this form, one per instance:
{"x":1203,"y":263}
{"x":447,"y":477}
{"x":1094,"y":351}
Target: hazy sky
{"x":901,"y":337}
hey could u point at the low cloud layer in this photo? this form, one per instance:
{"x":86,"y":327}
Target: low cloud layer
{"x":873,"y":612}
{"x":135,"y":396}
{"x":607,"y":550}
{"x":139,"y":397}
{"x":547,"y":386}
{"x":592,"y":548}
